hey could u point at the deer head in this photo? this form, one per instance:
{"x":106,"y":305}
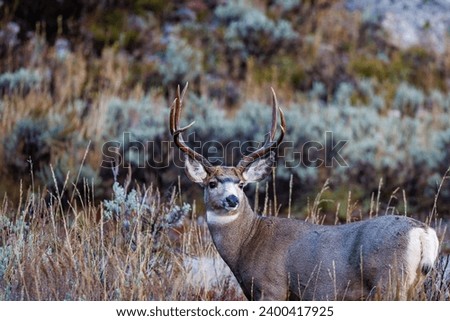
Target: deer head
{"x":223,"y":185}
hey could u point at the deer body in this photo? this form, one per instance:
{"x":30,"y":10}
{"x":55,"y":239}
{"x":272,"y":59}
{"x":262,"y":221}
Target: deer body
{"x":278,"y":258}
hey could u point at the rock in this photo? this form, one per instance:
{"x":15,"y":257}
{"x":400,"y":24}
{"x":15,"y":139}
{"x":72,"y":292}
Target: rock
{"x":409,"y":23}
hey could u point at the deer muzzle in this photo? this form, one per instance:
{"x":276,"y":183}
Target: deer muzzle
{"x":231,"y":202}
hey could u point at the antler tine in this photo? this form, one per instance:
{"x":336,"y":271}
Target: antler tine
{"x":282,"y":126}
{"x":176,"y":131}
{"x":270,"y":142}
{"x":180,"y":101}
{"x":175,"y":116}
{"x":274,"y":115}
{"x":273,"y":128}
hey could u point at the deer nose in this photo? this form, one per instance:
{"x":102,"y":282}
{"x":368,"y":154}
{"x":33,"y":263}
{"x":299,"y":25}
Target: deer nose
{"x":231,"y":201}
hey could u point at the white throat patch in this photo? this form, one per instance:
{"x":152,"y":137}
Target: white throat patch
{"x":214,"y":218}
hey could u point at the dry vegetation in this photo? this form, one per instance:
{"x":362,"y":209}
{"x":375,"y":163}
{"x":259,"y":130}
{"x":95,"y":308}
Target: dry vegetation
{"x":71,"y":229}
{"x":145,"y":250}
{"x":135,"y":246}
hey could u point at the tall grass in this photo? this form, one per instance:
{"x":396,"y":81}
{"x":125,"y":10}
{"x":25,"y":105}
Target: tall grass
{"x":50,"y":250}
{"x":138,"y":245}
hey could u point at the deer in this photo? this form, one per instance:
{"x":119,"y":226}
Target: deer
{"x":279,"y":258}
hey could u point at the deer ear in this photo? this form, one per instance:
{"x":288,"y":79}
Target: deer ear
{"x":259,"y":169}
{"x":195,"y":170}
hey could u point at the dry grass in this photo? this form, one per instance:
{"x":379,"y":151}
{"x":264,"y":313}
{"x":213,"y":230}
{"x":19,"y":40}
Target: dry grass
{"x":55,"y":251}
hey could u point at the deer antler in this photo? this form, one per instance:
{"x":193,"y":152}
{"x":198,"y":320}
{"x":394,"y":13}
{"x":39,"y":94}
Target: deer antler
{"x":176,"y":131}
{"x":270,"y":142}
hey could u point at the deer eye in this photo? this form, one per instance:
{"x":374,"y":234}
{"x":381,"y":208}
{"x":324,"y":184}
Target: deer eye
{"x":241,"y":185}
{"x":212,"y":184}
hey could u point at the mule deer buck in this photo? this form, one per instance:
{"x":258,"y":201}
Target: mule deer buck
{"x":276,"y":258}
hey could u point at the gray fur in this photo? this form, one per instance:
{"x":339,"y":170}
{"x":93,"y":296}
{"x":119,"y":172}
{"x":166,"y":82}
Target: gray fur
{"x":194,"y":170}
{"x":278,"y":258}
{"x":259,"y":169}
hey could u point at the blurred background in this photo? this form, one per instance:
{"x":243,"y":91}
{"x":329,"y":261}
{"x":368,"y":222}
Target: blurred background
{"x":76,"y":74}
{"x":94,"y":204}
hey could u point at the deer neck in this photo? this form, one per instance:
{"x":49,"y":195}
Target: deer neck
{"x":232,"y":231}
